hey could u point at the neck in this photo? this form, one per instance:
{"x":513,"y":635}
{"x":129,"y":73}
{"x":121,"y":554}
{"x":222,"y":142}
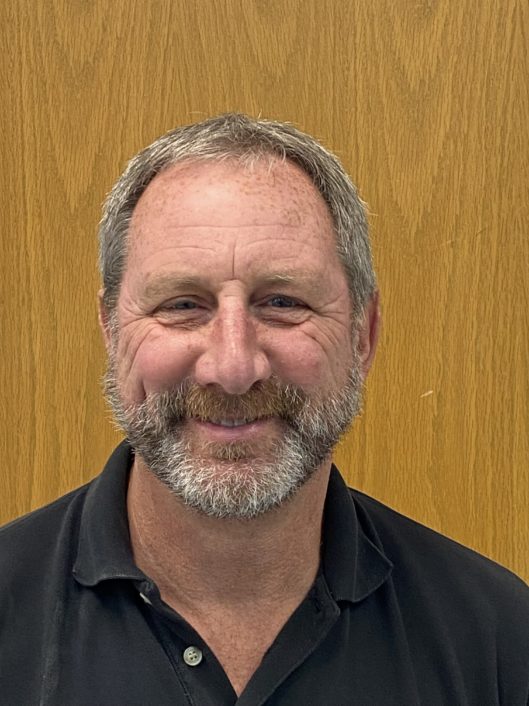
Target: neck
{"x":195,"y":559}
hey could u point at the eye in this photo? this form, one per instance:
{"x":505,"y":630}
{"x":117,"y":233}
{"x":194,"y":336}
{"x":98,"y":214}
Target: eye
{"x":182,"y":311}
{"x":282,"y":302}
{"x":180,"y":305}
{"x":283,"y":310}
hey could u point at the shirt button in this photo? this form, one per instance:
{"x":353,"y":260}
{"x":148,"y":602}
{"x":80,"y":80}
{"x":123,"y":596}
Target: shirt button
{"x":192,"y":656}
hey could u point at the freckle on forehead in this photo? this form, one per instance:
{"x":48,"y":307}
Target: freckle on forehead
{"x":209,"y":209}
{"x":225,"y":221}
{"x":268,"y":180}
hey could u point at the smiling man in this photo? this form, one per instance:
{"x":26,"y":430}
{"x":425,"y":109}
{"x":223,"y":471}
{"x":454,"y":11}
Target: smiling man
{"x":225,"y":362}
{"x":219,"y":558}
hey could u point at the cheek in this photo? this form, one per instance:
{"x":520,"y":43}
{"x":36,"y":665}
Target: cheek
{"x":312,"y":360}
{"x":301,"y":362}
{"x":154,"y":366}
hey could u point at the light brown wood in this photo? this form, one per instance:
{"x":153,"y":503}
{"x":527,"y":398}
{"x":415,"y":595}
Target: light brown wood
{"x":427,"y":104}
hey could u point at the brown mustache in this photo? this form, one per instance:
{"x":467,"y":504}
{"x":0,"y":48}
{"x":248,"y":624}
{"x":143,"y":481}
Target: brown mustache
{"x":269,"y":398}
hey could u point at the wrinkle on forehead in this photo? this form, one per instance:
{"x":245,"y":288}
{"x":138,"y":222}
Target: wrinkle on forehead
{"x":225,"y":221}
{"x":245,"y":250}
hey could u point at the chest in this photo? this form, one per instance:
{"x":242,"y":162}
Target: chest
{"x":239,"y":645}
{"x":105,"y":647}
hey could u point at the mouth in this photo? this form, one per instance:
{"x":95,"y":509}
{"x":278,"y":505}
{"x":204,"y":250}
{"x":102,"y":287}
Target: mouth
{"x":233,"y":429}
{"x":230,"y":423}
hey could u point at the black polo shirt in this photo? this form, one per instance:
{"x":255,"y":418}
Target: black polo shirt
{"x":398,"y":615}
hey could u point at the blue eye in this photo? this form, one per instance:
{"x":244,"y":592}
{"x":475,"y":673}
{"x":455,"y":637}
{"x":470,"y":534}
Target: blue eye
{"x":182,"y":305}
{"x":282,"y":302}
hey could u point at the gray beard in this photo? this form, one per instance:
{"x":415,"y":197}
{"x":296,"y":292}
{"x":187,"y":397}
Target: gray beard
{"x":231,"y":480}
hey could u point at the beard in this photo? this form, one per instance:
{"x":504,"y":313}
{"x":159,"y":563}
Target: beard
{"x":237,"y":479}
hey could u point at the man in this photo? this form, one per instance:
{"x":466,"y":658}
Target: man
{"x":219,"y":558}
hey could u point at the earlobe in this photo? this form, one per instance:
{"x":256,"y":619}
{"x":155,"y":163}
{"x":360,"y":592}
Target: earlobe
{"x":368,"y":330}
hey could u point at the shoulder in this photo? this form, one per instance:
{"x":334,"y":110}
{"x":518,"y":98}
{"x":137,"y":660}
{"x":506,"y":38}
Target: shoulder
{"x":409,"y":543}
{"x":455,"y":582}
{"x":30,"y":540}
{"x":50,"y":513}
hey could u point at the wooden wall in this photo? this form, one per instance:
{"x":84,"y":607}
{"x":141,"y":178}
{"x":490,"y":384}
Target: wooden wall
{"x":427,"y":104}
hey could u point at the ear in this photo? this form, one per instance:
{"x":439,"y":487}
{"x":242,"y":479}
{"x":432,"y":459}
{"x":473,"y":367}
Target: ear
{"x":104,"y":320}
{"x":367,"y":331}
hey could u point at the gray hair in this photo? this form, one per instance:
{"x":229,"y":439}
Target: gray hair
{"x":245,"y":139}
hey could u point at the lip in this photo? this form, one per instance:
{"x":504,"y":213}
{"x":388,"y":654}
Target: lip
{"x":217,"y":432}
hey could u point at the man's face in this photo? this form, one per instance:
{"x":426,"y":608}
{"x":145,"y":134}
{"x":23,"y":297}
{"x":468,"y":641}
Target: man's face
{"x":232,"y":363}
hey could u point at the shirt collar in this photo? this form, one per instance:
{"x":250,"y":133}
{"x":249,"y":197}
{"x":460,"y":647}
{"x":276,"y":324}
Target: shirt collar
{"x":352,"y":563}
{"x":104,"y":550}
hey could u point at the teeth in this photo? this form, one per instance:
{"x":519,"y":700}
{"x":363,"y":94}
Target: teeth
{"x":231,"y":422}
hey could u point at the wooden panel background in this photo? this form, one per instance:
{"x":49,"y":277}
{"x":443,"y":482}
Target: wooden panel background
{"x":427,"y":104}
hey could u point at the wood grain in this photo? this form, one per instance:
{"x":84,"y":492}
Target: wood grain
{"x":426,"y":103}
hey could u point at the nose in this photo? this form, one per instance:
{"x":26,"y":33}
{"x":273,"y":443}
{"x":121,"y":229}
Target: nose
{"x":232,"y":357}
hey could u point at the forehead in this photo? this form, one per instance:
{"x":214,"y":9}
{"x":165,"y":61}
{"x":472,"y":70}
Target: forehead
{"x":268,"y":192}
{"x":220,"y":222}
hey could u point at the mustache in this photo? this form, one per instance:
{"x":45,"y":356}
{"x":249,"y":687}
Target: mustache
{"x":267,"y":398}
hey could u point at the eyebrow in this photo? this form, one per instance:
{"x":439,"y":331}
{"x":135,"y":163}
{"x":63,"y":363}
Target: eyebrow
{"x":165,"y":283}
{"x":282,"y":278}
